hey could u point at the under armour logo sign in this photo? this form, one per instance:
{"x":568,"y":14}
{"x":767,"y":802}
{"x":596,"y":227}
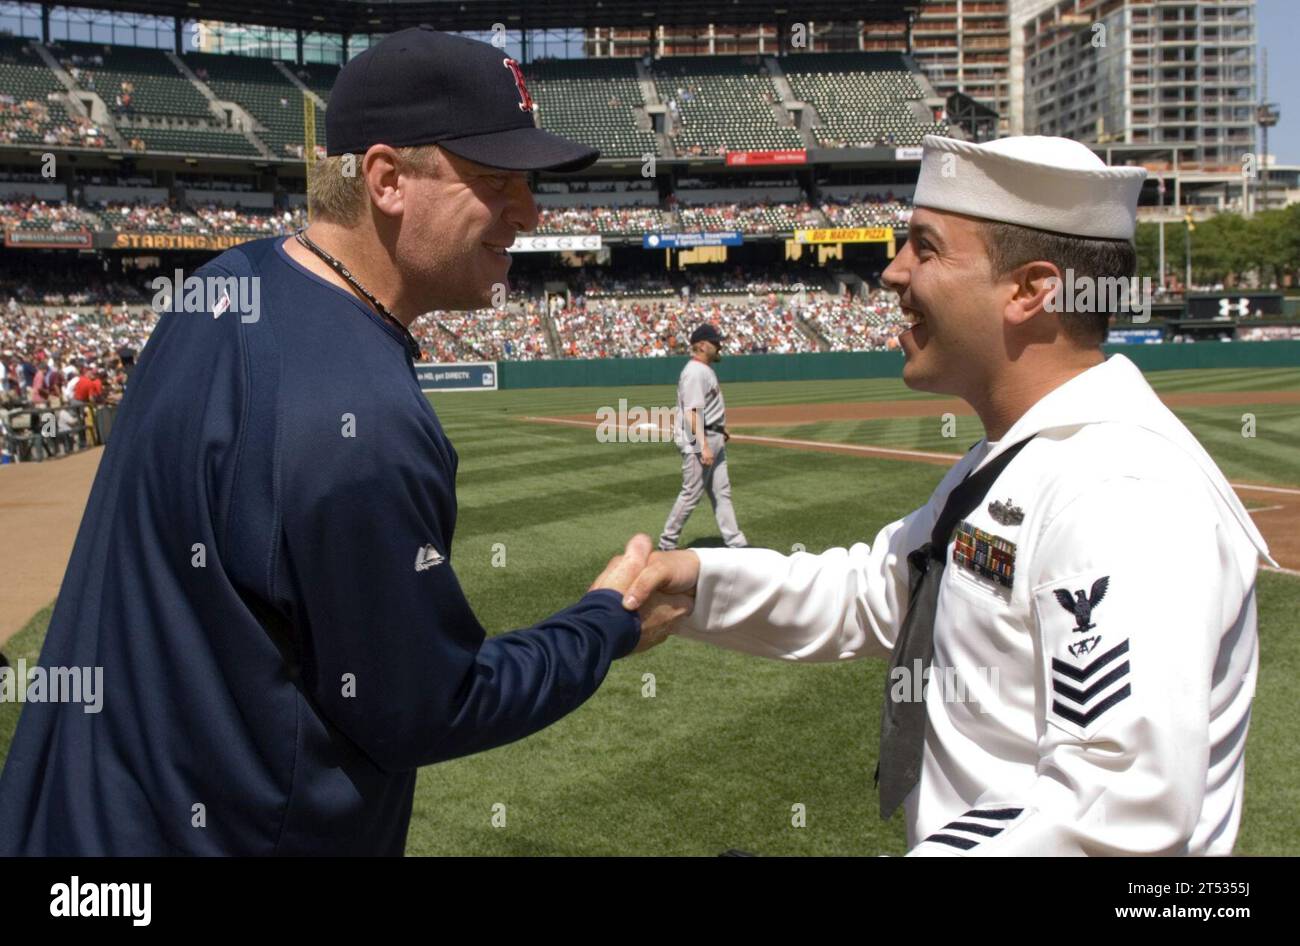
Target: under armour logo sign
{"x":525,"y":100}
{"x":1226,"y":307}
{"x":1081,"y":605}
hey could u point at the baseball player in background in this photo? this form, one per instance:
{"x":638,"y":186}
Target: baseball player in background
{"x":1070,"y":620}
{"x":701,"y":436}
{"x":264,"y":570}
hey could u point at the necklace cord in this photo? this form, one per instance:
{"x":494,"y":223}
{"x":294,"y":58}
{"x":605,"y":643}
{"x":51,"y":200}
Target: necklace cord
{"x":412,"y":346}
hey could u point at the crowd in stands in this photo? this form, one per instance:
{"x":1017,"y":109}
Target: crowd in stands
{"x":856,"y":324}
{"x":31,"y":281}
{"x":28,"y":213}
{"x":619,"y":328}
{"x":742,"y":279}
{"x":211,"y":219}
{"x":600,"y":220}
{"x":34,"y":214}
{"x":46,"y":349}
{"x":868,"y":211}
{"x":767,"y":320}
{"x":595,"y":283}
{"x":31,"y":120}
{"x":516,"y":332}
{"x":756,"y":217}
{"x":295,"y":149}
{"x":54,"y":362}
{"x":760,"y":217}
{"x":626,"y":328}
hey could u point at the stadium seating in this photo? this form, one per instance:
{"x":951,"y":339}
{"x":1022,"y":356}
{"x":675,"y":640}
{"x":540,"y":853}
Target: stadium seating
{"x":871,"y":324}
{"x":28,"y":116}
{"x":862,"y":99}
{"x":640,"y":328}
{"x":152,"y":82}
{"x":514,"y":333}
{"x":195,"y":140}
{"x":317,"y":76}
{"x":264,"y":92}
{"x":38,"y":215}
{"x":71,"y":343}
{"x":867,"y":213}
{"x":592,"y":102}
{"x":719,"y":104}
{"x":154,"y":218}
{"x":749,"y":218}
{"x":716,"y":103}
{"x":611,"y":220}
{"x":150,"y":99}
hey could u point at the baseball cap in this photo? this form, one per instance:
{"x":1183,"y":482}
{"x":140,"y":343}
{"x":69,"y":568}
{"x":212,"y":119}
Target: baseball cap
{"x":420,"y":86}
{"x":707,"y":333}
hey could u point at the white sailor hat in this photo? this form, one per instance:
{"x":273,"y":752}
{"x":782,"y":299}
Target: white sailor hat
{"x":1054,"y":184}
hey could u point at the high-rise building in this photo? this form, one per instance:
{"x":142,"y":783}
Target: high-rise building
{"x":962,"y":46}
{"x":1177,"y":76}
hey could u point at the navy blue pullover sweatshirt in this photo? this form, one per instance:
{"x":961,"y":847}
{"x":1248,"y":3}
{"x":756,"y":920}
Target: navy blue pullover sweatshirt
{"x":264,"y":573}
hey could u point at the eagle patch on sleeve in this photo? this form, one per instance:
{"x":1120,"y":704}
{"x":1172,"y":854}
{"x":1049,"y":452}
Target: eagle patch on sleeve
{"x":1087,"y":670}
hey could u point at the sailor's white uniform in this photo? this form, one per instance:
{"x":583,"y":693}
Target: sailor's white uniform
{"x":1096,"y":705}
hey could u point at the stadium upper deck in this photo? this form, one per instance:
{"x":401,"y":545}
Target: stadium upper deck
{"x":204,"y":105}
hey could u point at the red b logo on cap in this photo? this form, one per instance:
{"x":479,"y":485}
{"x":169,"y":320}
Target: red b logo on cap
{"x":525,"y":100}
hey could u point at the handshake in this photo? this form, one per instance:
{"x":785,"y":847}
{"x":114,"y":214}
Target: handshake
{"x":660,"y":586}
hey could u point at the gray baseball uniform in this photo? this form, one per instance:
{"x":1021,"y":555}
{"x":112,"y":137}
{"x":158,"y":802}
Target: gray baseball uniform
{"x":697,"y":389}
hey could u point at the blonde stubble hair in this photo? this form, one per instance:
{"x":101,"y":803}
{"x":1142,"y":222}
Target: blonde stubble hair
{"x":337,"y":197}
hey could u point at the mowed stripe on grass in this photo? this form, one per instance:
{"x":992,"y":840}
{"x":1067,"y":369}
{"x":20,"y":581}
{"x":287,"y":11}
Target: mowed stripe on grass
{"x":721,"y":766}
{"x":729,"y":767}
{"x":727,"y":744}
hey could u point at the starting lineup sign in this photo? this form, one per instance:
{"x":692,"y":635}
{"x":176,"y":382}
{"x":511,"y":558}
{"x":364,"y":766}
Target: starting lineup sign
{"x":457,"y":376}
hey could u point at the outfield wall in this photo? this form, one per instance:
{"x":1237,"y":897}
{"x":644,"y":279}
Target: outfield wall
{"x":829,"y":366}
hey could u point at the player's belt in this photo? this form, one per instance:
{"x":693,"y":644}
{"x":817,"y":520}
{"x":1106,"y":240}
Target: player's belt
{"x":716,"y":428}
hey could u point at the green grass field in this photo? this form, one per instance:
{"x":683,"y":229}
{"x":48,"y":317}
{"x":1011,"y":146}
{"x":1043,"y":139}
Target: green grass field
{"x":727,"y":744}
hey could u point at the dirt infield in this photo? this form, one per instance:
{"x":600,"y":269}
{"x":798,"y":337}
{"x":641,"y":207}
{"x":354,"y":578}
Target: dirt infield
{"x":1276,"y":509}
{"x":40,"y":508}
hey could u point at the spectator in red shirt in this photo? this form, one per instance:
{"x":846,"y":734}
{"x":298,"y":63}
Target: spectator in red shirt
{"x":89,"y":387}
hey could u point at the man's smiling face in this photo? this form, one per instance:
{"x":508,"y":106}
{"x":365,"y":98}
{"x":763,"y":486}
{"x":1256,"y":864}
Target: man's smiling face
{"x":943,"y":281}
{"x":468,"y":214}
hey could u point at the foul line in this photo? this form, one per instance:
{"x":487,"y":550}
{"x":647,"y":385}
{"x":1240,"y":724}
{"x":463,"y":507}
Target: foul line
{"x":1267,"y":489}
{"x":854,"y":448}
{"x":779,"y":441}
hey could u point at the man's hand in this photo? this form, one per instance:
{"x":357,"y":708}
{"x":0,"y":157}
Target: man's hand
{"x":706,"y":455}
{"x":666,"y":573}
{"x":660,"y":610}
{"x":659,"y":616}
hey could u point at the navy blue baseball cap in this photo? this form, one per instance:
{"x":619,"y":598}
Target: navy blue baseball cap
{"x":707,"y":332}
{"x":420,"y":86}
